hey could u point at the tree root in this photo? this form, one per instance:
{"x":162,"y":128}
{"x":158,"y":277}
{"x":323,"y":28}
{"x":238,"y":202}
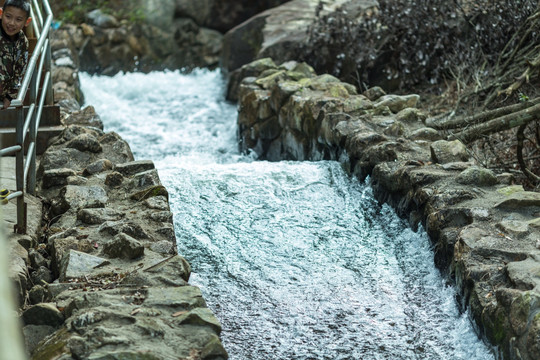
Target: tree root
{"x":520,"y":138}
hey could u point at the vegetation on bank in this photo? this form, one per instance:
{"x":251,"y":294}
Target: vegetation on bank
{"x":74,"y":11}
{"x":464,"y":57}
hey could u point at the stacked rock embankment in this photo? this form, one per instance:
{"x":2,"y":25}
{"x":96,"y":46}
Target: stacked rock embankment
{"x":159,"y":35}
{"x":485,"y":229}
{"x":106,"y":279}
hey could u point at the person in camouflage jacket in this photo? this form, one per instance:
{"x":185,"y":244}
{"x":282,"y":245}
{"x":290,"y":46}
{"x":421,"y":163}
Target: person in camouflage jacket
{"x":14,"y":16}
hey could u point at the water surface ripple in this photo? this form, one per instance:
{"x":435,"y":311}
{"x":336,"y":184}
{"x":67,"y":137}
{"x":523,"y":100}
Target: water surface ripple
{"x":296,"y":259}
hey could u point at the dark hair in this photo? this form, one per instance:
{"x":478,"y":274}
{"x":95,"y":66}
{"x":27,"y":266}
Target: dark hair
{"x":21,"y":4}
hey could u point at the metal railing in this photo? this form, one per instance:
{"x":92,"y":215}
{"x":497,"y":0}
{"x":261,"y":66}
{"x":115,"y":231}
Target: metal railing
{"x":37,"y":88}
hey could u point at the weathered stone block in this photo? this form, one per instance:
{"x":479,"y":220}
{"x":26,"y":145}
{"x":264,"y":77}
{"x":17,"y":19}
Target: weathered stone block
{"x":124,"y":246}
{"x":43,"y":314}
{"x":76,"y":264}
{"x":443,"y":151}
{"x":99,"y":216}
{"x":134,"y":167}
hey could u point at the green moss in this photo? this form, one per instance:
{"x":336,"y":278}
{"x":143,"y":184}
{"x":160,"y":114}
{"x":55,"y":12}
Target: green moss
{"x":509,"y":190}
{"x":338,"y":91}
{"x":53,"y":348}
{"x":74,"y":11}
{"x":150,"y":192}
{"x":499,"y":332}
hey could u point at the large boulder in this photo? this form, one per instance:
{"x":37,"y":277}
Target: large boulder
{"x":222,"y":15}
{"x":279,"y":32}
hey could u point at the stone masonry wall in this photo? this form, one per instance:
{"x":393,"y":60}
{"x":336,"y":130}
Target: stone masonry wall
{"x":105,"y":280}
{"x":485,"y":229}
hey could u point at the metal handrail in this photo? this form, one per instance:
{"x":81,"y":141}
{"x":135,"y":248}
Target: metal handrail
{"x":36,"y":76}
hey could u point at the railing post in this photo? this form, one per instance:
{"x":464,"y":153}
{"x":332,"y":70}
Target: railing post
{"x":49,"y":99}
{"x":31,"y":156}
{"x":19,"y":173}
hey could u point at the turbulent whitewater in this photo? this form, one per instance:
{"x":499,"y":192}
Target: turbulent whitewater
{"x":296,"y":259}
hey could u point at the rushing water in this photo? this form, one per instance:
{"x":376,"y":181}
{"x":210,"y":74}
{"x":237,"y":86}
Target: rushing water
{"x":296,"y":259}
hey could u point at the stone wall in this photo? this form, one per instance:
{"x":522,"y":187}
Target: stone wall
{"x":11,"y":346}
{"x":172,"y":34}
{"x":485,"y":229}
{"x":104,"y":276}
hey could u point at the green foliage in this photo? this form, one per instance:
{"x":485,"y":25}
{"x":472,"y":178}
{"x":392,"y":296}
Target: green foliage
{"x":523,"y":97}
{"x":74,"y":11}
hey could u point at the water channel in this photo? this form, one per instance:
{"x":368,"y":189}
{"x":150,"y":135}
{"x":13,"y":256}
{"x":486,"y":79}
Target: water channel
{"x":296,"y":259}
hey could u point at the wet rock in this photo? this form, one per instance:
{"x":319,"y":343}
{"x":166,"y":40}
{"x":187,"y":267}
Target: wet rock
{"x":124,"y":246}
{"x":200,"y":316}
{"x":443,"y":151}
{"x":134,"y":167}
{"x":43,"y":314}
{"x":214,"y":348}
{"x":76,"y":264}
{"x":63,"y":74}
{"x":99,"y":216}
{"x":477,"y":176}
{"x":160,"y":12}
{"x":97,"y":167}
